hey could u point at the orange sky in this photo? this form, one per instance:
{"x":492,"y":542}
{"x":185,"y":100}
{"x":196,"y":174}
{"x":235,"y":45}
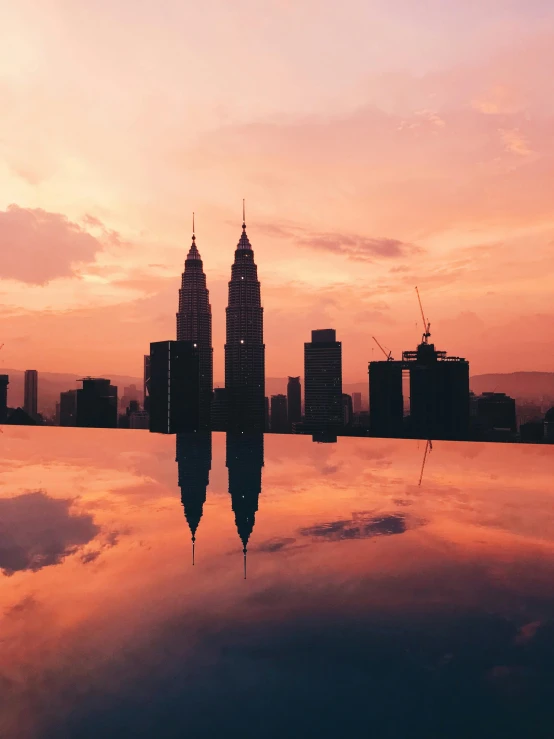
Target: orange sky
{"x":379,"y":144}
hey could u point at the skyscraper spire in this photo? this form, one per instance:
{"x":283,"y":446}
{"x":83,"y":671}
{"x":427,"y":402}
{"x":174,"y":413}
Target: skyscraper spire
{"x":194,"y":323}
{"x":244,"y":346}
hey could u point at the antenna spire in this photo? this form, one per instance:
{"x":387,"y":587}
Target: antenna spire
{"x":193,"y":541}
{"x":243,"y":214}
{"x":193,"y":236}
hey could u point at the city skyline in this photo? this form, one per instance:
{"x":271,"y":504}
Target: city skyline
{"x":431,"y":165}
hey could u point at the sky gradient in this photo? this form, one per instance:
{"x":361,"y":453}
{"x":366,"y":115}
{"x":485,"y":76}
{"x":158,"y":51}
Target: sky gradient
{"x":379,"y":145}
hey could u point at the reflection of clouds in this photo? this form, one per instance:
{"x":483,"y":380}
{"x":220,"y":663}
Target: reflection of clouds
{"x":37,"y":530}
{"x":362,"y":525}
{"x":273,"y":545}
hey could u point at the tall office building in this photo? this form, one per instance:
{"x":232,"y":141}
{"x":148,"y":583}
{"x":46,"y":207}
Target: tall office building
{"x":194,"y":462}
{"x":68,"y":408}
{"x":244,"y":460}
{"x":356,"y":402}
{"x":146,"y":380}
{"x":323,"y":382}
{"x":31,"y":393}
{"x":219,"y":409}
{"x":4,"y":382}
{"x":279,"y":418}
{"x":244,"y":347}
{"x":174,"y":387}
{"x":386,"y":400}
{"x":294,"y":400}
{"x":194,"y":323}
{"x":439,"y":395}
{"x":347,"y":410}
{"x":97,"y":403}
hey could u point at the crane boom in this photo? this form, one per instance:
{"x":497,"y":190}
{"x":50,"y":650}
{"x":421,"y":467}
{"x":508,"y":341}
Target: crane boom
{"x":389,"y":355}
{"x":426,"y":323}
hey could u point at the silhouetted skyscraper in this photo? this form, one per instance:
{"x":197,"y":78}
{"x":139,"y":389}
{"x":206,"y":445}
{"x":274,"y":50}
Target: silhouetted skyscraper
{"x":244,"y":348}
{"x":294,"y":400}
{"x":194,"y":462}
{"x":356,"y":402}
{"x":219,"y":409}
{"x":4,"y":382}
{"x":323,"y":382}
{"x":497,"y":412}
{"x":174,"y":387}
{"x":386,"y":400}
{"x":146,"y":388}
{"x":439,"y":394}
{"x":194,"y":323}
{"x":347,"y":411}
{"x":245,"y":459}
{"x":279,"y":418}
{"x":31,"y":393}
{"x":68,"y":408}
{"x":97,"y":403}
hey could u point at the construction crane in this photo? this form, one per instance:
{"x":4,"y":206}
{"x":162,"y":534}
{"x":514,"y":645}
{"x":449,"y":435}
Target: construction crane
{"x":389,"y":355}
{"x":426,"y":323}
{"x":428,"y":449}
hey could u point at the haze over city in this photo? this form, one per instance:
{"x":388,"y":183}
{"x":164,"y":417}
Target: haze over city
{"x":395,"y":144}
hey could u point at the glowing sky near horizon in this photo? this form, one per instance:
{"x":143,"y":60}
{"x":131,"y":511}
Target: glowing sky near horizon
{"x":379,"y":145}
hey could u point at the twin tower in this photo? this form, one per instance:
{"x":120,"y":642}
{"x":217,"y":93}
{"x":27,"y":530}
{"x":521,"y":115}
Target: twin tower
{"x":244,"y":344}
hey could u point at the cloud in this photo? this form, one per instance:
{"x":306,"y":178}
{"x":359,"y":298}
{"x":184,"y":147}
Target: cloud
{"x":362,"y":525}
{"x":515,"y":142}
{"x":37,"y":530}
{"x":38,"y":246}
{"x":274,"y":545}
{"x":360,"y":248}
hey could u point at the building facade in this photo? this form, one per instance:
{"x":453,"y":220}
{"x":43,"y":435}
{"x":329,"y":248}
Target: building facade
{"x":30,"y":400}
{"x":194,"y":323}
{"x":174,"y":387}
{"x":244,"y":347}
{"x":4,"y":382}
{"x":294,"y":400}
{"x":68,"y":408}
{"x":96,"y":403}
{"x":323,"y":382}
{"x":279,"y":416}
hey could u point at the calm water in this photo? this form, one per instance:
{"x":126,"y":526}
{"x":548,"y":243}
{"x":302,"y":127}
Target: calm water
{"x":373,"y":605}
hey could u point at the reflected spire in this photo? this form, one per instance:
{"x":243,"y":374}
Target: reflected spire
{"x":245,"y":459}
{"x":194,"y":461}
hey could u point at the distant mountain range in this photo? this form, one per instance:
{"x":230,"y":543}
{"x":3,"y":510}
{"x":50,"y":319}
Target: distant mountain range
{"x":523,"y":385}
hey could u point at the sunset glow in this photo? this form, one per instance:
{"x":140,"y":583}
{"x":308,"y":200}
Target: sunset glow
{"x":379,"y":145}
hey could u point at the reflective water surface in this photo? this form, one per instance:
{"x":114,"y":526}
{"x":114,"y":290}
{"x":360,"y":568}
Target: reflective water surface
{"x":374,"y":604}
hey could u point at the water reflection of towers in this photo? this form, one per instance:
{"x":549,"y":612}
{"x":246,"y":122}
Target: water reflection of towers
{"x":244,"y":460}
{"x":194,"y":461}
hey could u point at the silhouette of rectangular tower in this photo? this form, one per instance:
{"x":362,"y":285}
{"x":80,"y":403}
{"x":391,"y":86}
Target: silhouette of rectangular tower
{"x":386,"y":404}
{"x":174,"y":387}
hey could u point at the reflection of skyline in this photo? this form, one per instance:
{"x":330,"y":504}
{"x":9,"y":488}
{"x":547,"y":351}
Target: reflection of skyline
{"x":245,"y":459}
{"x":194,"y":462}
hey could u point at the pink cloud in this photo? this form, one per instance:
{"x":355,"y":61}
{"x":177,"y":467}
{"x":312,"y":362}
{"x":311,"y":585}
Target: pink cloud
{"x":38,"y":246}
